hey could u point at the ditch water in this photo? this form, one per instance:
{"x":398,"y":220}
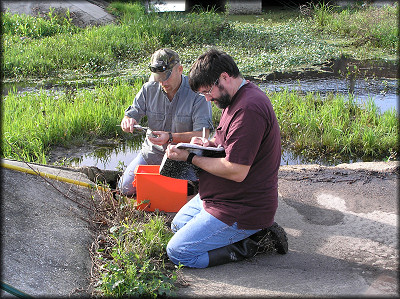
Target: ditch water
{"x":112,"y":155}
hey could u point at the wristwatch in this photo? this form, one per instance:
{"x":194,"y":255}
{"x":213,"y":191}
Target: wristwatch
{"x":190,"y":157}
{"x":170,"y":137}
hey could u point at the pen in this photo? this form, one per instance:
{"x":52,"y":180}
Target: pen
{"x":204,"y":132}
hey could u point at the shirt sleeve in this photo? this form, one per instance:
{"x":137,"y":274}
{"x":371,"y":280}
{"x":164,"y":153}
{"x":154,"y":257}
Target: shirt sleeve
{"x":138,"y":108}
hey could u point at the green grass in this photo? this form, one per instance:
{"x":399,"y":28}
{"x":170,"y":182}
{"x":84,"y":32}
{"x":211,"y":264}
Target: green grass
{"x":38,"y":47}
{"x":32,"y":123}
{"x":335,"y":127}
{"x":368,"y":27}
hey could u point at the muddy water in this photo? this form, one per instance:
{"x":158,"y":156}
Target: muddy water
{"x":111,"y":157}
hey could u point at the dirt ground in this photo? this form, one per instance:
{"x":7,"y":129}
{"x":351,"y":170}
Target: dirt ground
{"x":341,"y":222}
{"x":342,"y":226}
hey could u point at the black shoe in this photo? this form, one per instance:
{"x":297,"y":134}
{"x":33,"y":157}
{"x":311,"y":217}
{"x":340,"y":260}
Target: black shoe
{"x":263,"y":240}
{"x":273,"y":237}
{"x":279,"y":237}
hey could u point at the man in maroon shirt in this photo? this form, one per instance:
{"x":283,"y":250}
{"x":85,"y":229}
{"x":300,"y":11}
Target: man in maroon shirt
{"x":232,"y":217}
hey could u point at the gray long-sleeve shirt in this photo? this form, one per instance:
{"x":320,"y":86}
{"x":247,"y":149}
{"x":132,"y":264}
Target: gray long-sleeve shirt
{"x":186,"y":112}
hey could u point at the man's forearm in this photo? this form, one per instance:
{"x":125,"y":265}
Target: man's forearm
{"x":222,"y":168}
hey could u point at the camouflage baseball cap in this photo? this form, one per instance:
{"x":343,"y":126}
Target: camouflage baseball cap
{"x":162,"y":62}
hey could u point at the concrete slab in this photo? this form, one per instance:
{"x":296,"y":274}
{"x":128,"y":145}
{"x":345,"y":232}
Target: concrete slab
{"x":45,"y":236}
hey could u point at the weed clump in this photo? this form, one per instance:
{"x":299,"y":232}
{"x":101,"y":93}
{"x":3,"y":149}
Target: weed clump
{"x":129,"y":255}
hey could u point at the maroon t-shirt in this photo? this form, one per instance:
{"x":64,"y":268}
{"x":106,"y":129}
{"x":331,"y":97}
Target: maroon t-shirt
{"x":249,"y":132}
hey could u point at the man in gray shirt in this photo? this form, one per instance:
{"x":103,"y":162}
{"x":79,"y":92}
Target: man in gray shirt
{"x":174,"y":113}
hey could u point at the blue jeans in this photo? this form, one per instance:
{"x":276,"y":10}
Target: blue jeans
{"x":125,"y":182}
{"x":197,"y":232}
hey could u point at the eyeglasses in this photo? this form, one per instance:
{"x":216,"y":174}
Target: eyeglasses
{"x":209,"y":92}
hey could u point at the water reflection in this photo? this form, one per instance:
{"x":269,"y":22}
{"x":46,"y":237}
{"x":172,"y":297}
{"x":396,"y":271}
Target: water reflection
{"x":106,"y":155}
{"x":113,"y":157}
{"x":118,"y":157}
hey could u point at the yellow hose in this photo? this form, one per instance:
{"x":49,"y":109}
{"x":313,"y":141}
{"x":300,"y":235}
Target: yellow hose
{"x":50,"y":176}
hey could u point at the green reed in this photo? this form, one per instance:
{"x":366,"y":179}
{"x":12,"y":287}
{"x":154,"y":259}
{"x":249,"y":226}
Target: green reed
{"x":33,"y":122}
{"x":313,"y":125}
{"x":27,"y":26}
{"x":310,"y":124}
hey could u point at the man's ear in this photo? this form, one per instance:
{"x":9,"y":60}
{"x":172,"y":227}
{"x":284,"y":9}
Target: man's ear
{"x":180,"y":69}
{"x":224,"y":76}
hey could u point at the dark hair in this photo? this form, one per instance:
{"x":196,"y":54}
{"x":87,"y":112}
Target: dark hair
{"x":209,"y":66}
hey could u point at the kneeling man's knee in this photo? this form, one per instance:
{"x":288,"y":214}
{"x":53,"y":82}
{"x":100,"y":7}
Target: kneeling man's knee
{"x":179,"y":255}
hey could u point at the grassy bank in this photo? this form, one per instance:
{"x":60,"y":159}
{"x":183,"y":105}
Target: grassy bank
{"x":52,"y":46}
{"x":311,"y":125}
{"x":94,"y":49}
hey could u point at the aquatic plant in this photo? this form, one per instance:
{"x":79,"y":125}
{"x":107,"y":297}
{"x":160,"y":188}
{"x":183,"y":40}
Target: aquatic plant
{"x":259,"y":49}
{"x":332,"y":126}
{"x":32,"y":123}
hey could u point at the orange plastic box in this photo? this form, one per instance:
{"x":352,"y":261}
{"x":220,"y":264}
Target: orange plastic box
{"x":155,"y":191}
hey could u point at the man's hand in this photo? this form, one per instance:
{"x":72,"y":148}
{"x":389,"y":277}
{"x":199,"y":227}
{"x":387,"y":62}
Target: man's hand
{"x":202,"y":141}
{"x":176,"y":154}
{"x":127,"y":124}
{"x":160,"y":138}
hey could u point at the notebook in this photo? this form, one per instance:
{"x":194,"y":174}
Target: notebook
{"x":183,"y":170}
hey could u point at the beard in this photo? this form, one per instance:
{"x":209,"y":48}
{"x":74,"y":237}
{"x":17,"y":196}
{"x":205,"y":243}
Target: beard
{"x":223,"y":101}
